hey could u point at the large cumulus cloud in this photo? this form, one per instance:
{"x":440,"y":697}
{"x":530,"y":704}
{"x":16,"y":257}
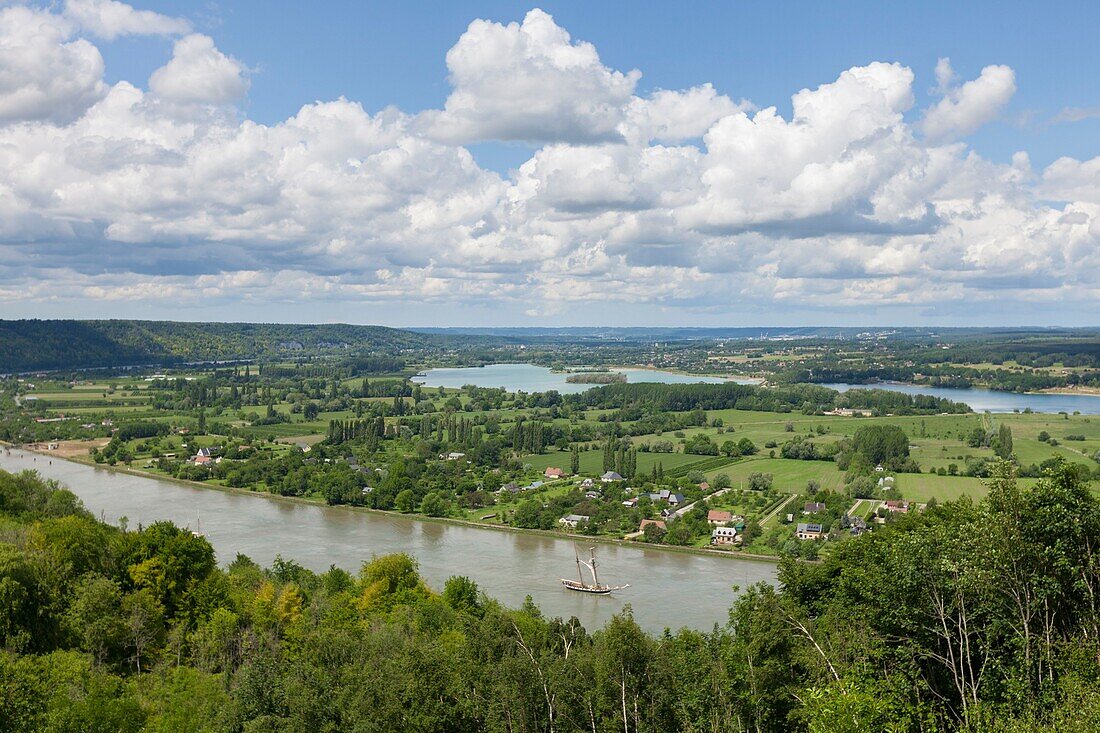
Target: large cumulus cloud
{"x":681,"y":198}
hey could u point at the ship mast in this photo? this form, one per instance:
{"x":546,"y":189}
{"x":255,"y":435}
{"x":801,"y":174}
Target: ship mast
{"x":595,"y":580}
{"x":578,"y":556}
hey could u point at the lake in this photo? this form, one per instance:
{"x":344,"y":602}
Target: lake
{"x":981,"y":400}
{"x":532,"y":378}
{"x":666,"y":588}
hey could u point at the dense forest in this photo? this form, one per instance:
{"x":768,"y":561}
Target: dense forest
{"x":32,"y":344}
{"x":974,"y":617}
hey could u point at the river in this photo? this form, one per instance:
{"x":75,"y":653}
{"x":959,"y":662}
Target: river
{"x":667,"y":589}
{"x":532,"y":378}
{"x":981,"y":400}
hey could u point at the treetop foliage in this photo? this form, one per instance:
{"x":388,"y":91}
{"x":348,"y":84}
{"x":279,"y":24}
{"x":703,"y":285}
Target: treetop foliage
{"x":967,"y":616}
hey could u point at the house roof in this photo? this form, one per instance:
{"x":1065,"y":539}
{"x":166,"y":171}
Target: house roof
{"x":813,"y":506}
{"x":809,"y":527}
{"x":718,"y":515}
{"x":647,"y":522}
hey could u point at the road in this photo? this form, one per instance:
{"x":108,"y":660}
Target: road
{"x":775,"y":511}
{"x":688,"y":507}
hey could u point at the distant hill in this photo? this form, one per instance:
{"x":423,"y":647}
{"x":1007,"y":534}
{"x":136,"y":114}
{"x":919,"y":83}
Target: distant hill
{"x":30,"y":345}
{"x":645,"y":334}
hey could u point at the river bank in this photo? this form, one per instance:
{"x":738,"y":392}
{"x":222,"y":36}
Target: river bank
{"x":507,"y":565}
{"x":1075,"y":391}
{"x":724,"y":376}
{"x":310,"y":501}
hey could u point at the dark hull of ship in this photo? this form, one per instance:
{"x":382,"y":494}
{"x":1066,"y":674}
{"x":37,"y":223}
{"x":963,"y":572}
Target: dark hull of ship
{"x":599,"y":590}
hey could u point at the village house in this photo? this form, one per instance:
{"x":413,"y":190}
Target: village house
{"x":718,"y":516}
{"x":553,"y":472}
{"x":587,"y":483}
{"x":655,"y":522}
{"x":572,"y":520}
{"x":631,"y":502}
{"x":724,"y":536}
{"x":898,"y":506}
{"x":452,"y":456}
{"x":855,"y":525}
{"x":610,"y":476}
{"x":704,"y":486}
{"x":673,"y":499}
{"x":592,"y":495}
{"x":808,"y":531}
{"x":813,"y":507}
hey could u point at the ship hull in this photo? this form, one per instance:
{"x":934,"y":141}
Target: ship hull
{"x":596,"y":590}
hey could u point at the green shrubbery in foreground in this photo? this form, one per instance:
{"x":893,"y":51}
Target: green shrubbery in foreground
{"x":981,"y":617}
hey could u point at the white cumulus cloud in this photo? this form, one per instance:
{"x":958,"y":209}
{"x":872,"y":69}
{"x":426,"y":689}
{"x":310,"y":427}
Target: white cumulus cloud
{"x":675,"y":199}
{"x":44,"y":74}
{"x":529,"y":81}
{"x":109,"y":19}
{"x":199,"y":74}
{"x":965,"y":108}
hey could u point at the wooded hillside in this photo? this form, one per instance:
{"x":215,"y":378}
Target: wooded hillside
{"x":33,"y":344}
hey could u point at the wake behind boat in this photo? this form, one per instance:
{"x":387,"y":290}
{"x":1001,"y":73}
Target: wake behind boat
{"x":595,"y":587}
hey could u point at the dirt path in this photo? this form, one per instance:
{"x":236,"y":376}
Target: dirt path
{"x":778,"y":509}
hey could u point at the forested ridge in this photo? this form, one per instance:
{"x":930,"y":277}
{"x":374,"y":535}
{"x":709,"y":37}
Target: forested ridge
{"x":975,"y":617}
{"x":68,"y":344}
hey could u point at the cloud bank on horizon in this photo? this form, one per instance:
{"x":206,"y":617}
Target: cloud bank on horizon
{"x":164,"y":195}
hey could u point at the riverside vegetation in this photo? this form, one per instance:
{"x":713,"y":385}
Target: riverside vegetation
{"x":970,"y":616}
{"x":355,"y":430}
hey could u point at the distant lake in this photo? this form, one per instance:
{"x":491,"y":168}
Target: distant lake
{"x":531,"y":378}
{"x":981,"y":400}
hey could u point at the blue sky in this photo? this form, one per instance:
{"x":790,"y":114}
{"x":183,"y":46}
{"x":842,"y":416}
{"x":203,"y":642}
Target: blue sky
{"x":499,"y":193}
{"x":393,"y":53}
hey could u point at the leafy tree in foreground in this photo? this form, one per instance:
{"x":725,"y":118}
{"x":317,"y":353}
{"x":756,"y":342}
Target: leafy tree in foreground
{"x":978,"y":617}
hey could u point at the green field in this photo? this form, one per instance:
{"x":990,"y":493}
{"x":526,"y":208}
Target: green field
{"x":936,"y":441}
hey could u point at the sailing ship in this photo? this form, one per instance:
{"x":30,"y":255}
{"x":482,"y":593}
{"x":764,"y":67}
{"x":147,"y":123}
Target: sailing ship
{"x":595,"y":587}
